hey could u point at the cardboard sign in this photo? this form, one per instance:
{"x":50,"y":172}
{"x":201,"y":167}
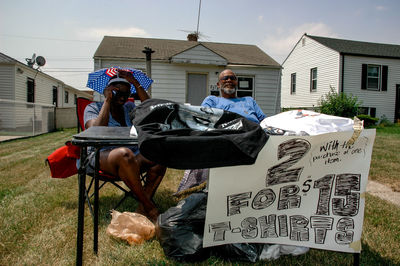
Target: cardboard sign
{"x":302,"y":190}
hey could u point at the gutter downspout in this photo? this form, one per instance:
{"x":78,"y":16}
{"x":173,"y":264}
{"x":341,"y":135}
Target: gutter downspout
{"x":278,"y":91}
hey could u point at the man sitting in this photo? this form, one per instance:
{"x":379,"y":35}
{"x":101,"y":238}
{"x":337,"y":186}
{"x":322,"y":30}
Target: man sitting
{"x":245,"y":106}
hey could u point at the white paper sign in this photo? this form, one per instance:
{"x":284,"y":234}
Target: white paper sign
{"x":302,"y":190}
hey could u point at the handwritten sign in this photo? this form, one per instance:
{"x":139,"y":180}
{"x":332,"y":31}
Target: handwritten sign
{"x":302,"y":191}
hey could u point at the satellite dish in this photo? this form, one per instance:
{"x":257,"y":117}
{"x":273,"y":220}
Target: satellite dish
{"x":31,"y":61}
{"x":40,"y":61}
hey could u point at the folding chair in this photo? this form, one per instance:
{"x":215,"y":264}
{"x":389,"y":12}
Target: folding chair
{"x":81,"y":104}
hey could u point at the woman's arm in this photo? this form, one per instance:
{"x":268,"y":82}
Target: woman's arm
{"x":143,"y":96}
{"x":104,"y":114}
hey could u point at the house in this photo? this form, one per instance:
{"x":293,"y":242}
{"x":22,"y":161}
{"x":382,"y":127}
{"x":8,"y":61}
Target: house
{"x":369,"y":71}
{"x":187,"y":71}
{"x":28,"y":98}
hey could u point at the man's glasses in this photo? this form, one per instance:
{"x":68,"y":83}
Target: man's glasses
{"x":228,"y":77}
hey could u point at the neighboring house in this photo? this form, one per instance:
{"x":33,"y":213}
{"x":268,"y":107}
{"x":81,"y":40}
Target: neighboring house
{"x":28,"y":97}
{"x":369,"y":71}
{"x":187,"y":71}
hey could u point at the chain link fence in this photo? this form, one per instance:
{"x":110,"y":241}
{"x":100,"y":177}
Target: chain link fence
{"x":26,"y":119}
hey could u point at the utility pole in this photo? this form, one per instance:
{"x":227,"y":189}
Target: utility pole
{"x":148,"y":51}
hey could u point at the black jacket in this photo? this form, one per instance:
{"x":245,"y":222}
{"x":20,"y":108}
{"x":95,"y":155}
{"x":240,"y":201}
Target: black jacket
{"x":190,"y":137}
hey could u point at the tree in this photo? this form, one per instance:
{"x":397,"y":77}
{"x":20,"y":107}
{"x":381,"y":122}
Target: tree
{"x":344,"y":105}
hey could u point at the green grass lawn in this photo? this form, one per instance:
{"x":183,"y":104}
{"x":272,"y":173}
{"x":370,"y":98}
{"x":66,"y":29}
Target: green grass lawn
{"x":39,"y":213}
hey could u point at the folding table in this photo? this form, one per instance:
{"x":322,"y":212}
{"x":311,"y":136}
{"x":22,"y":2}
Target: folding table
{"x":97,"y":137}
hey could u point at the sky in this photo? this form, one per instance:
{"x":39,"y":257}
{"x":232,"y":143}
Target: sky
{"x":67,"y":33}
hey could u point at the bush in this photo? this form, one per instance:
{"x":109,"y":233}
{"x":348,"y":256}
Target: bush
{"x":384,"y":122}
{"x":369,"y":121}
{"x":339,"y":104}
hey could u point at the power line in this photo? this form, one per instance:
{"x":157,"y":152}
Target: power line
{"x":81,"y":71}
{"x":66,"y":68}
{"x":48,"y":39}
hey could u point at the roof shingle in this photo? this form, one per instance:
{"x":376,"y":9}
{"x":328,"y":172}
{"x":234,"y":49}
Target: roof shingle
{"x":359,"y":48}
{"x":131,"y":47}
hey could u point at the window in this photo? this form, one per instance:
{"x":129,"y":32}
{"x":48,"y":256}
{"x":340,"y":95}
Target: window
{"x":363,"y":110}
{"x":372,"y":111}
{"x":374,"y":77}
{"x":75,"y":98}
{"x":293,"y":83}
{"x":313,"y":79}
{"x":245,"y":86}
{"x":30,"y":88}
{"x":66,"y":97}
{"x":367,"y":111}
{"x":373,"y":74}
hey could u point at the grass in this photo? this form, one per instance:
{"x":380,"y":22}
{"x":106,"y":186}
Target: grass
{"x":39,"y":213}
{"x":385,"y":164}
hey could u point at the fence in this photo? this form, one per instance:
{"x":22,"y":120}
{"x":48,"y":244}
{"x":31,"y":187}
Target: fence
{"x":19,"y":118}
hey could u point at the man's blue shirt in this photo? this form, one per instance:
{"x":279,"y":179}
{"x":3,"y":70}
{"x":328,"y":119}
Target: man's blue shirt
{"x":245,"y":106}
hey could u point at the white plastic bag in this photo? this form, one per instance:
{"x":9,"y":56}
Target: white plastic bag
{"x":298,"y":122}
{"x":132,"y":227}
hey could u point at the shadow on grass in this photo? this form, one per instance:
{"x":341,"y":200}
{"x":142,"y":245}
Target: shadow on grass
{"x":163,"y":199}
{"x":372,"y":257}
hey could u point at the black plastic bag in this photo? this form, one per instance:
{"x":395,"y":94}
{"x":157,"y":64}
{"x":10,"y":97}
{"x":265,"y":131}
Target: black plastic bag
{"x":249,"y":252}
{"x":180,"y":229}
{"x":191,"y":137}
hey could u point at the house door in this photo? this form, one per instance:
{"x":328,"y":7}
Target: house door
{"x":197,"y":88}
{"x":397,"y":108}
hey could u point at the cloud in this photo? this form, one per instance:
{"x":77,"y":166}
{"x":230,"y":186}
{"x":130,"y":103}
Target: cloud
{"x":380,"y":8}
{"x":99,"y":33}
{"x":279,"y":44}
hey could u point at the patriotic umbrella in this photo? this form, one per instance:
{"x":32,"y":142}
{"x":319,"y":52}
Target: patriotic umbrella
{"x":98,"y":80}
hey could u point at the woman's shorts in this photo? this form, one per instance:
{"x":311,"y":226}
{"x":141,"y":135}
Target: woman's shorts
{"x":91,"y":158}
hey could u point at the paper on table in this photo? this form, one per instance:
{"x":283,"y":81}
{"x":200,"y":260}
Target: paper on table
{"x":133,"y":132}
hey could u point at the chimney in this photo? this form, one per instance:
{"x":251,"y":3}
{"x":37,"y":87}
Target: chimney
{"x":192,"y":37}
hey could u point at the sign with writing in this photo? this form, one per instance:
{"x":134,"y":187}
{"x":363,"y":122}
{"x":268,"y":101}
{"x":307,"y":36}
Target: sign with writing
{"x":302,"y":190}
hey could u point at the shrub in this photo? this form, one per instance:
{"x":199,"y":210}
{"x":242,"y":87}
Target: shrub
{"x":339,"y":104}
{"x":369,"y":121}
{"x":384,"y":122}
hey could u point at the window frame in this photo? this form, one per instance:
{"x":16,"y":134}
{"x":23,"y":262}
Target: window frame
{"x":66,"y":96}
{"x":313,"y":79}
{"x":251,"y":90}
{"x":293,"y":77}
{"x":379,"y":78}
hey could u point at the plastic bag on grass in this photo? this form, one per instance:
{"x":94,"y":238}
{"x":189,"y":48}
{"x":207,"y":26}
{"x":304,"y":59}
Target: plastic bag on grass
{"x":180,"y":229}
{"x":249,"y":252}
{"x":132,"y":227}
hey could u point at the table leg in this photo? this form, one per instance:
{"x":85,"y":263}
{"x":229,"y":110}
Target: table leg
{"x":96,"y":204}
{"x":81,"y":208}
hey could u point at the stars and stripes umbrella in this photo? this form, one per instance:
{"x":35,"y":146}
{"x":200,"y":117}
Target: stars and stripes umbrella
{"x":98,"y":80}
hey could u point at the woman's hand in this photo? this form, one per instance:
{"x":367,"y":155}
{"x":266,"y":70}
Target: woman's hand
{"x":108,"y":92}
{"x":143,"y":96}
{"x":129,"y":77}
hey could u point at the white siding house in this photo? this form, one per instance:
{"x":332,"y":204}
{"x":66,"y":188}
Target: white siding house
{"x":369,"y":71}
{"x":28,"y":97}
{"x":187,"y":71}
